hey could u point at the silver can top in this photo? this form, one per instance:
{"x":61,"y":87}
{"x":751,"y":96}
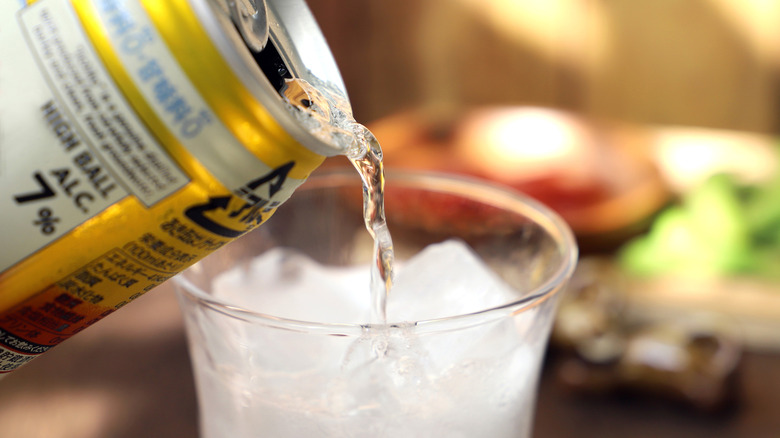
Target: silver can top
{"x":282,"y":38}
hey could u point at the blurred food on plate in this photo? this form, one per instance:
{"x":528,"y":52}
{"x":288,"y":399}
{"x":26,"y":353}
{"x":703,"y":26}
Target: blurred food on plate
{"x":601,"y":350}
{"x":598,"y":175}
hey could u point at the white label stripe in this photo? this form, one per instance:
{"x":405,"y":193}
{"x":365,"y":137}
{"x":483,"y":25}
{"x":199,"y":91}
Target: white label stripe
{"x":101,"y":114}
{"x":173,"y":97}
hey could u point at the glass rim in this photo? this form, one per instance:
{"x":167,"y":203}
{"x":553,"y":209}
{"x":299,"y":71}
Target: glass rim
{"x":498,"y":195}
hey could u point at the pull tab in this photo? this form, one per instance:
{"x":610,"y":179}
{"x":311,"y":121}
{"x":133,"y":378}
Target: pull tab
{"x":251,"y":19}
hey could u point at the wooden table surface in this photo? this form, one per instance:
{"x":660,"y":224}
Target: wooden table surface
{"x":129,"y":377}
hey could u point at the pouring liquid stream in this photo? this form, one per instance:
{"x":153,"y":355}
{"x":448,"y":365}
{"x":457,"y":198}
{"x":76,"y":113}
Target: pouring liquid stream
{"x":330,"y":119}
{"x":371,"y":171}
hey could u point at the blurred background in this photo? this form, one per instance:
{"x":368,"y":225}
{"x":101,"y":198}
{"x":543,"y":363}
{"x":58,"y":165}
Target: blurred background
{"x":652,"y":128}
{"x":650,"y":125}
{"x":710,"y":63}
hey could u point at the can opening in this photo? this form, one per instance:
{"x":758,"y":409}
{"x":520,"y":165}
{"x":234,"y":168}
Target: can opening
{"x":271,"y":63}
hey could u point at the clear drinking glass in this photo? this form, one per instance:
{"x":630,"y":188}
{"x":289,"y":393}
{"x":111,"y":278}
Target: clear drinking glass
{"x":315,"y":367}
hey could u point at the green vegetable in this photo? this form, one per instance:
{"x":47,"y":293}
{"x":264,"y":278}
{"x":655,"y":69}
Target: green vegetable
{"x":721,"y":228}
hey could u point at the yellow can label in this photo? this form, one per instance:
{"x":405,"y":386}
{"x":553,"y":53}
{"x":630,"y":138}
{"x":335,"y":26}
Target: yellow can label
{"x":118,"y":167}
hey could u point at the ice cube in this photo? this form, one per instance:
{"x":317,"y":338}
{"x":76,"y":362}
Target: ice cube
{"x":288,"y":284}
{"x":393,"y":380}
{"x":450,"y":279}
{"x":422,"y":384}
{"x":445,"y":279}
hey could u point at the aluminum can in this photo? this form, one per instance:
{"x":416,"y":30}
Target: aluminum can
{"x":136,"y":137}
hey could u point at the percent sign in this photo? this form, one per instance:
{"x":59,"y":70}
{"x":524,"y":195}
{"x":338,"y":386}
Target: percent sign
{"x":46,"y":221}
